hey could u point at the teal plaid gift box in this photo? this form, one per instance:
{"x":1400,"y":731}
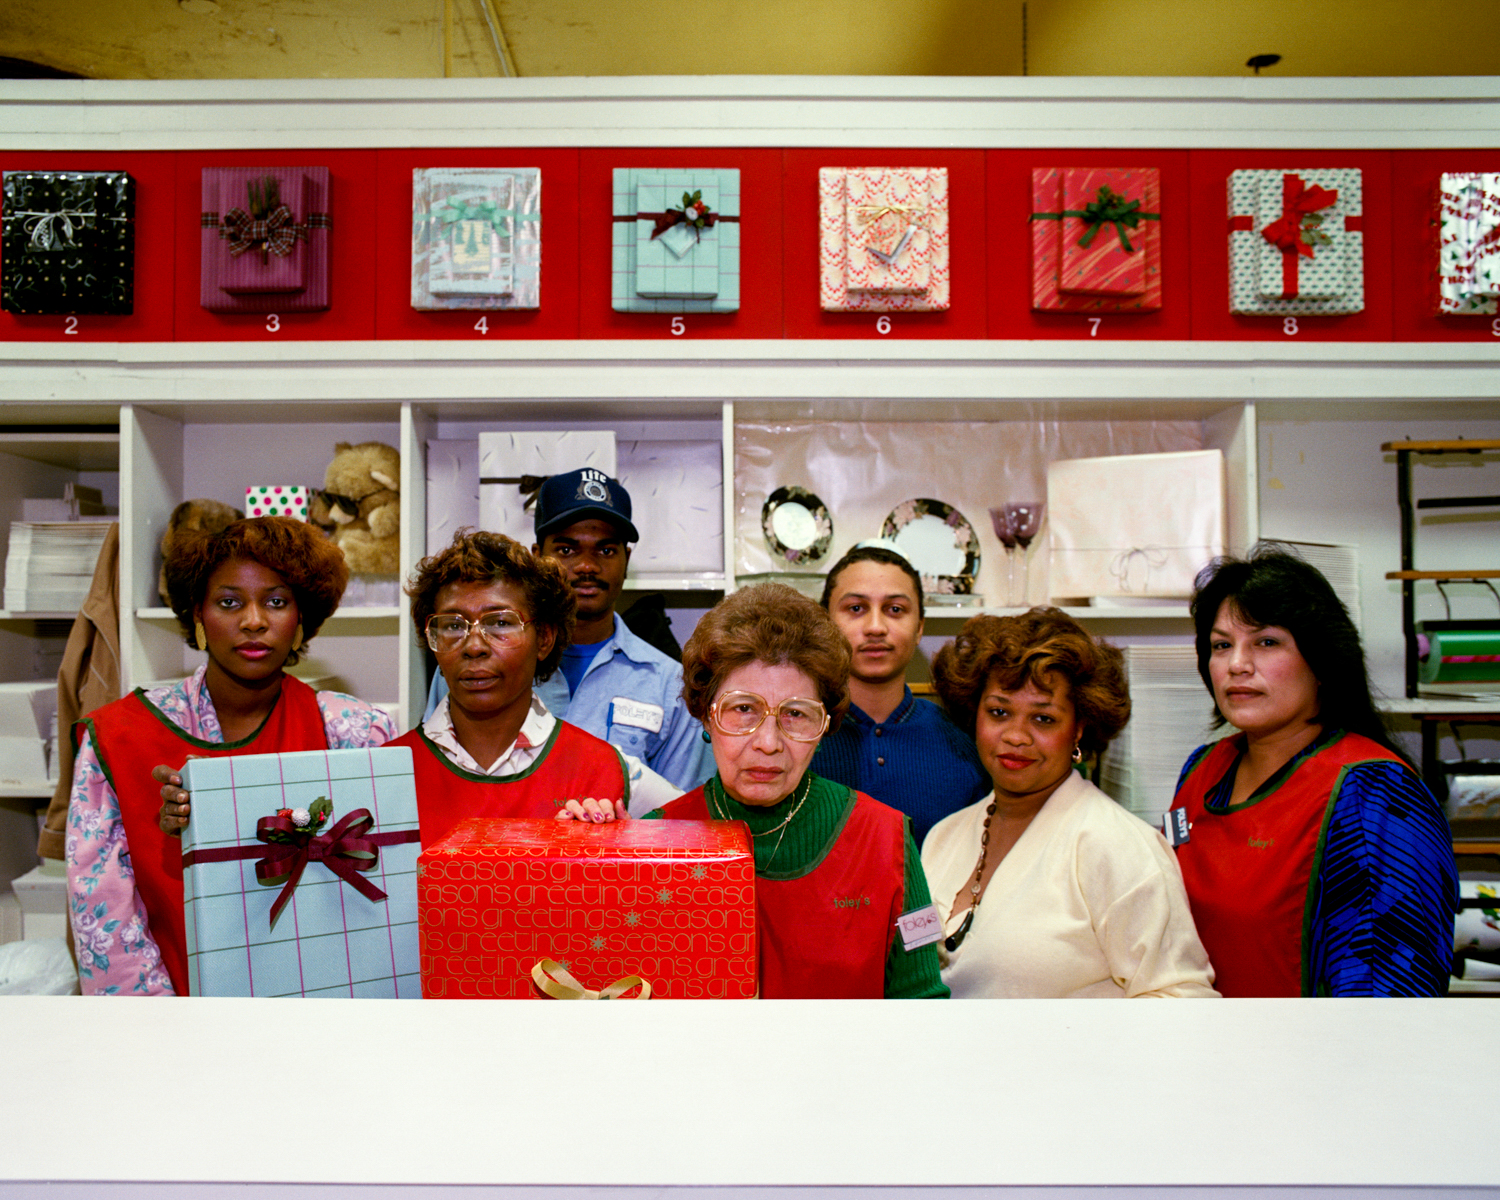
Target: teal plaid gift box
{"x":299,"y":874}
{"x":676,"y":241}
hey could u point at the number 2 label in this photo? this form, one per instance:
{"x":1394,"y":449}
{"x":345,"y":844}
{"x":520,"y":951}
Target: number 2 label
{"x":70,"y":326}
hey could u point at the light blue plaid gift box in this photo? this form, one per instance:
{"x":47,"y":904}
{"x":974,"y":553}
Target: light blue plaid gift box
{"x":678,"y":271}
{"x":329,"y":940}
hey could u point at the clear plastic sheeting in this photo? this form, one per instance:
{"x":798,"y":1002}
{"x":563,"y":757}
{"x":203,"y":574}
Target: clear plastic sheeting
{"x":37,"y":967}
{"x":862,"y":470}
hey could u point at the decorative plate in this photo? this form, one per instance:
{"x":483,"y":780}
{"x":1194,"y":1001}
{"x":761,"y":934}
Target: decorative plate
{"x":939,"y":541}
{"x":797,"y":526}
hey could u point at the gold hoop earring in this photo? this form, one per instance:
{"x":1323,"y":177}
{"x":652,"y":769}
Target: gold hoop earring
{"x":299,"y":643}
{"x":1078,"y":753}
{"x":201,"y":635}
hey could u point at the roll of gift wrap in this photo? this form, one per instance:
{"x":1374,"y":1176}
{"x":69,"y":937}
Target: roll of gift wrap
{"x":1462,"y":656}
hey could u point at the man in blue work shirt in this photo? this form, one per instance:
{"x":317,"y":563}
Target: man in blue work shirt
{"x":610,"y":682}
{"x":903,"y":751}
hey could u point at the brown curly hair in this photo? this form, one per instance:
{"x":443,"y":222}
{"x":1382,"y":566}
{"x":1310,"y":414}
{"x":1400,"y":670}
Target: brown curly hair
{"x":308,"y":563}
{"x":1026,"y":649}
{"x":478,"y":556}
{"x":767,"y":623}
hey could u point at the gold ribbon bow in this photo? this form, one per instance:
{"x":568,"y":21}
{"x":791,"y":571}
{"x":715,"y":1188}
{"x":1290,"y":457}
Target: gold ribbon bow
{"x":553,"y":979}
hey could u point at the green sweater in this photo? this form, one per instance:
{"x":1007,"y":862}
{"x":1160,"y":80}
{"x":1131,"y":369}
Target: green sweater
{"x":802,"y":845}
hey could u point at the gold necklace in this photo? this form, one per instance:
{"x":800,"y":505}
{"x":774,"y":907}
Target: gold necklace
{"x":956,"y":940}
{"x":776,"y":849}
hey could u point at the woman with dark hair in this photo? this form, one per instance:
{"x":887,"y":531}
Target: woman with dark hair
{"x":1047,"y":887}
{"x":903,"y":751}
{"x":1316,"y":860}
{"x":497,"y":618}
{"x":251,"y":598}
{"x":767,"y":673}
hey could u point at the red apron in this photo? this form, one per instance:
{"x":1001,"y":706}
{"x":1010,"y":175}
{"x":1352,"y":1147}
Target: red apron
{"x":131,"y":737}
{"x":573,"y":765}
{"x":827,"y":934}
{"x":1252,"y":871}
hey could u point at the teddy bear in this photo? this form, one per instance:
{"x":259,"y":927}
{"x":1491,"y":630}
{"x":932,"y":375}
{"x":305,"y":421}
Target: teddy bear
{"x":208,"y":516}
{"x":361,"y":500}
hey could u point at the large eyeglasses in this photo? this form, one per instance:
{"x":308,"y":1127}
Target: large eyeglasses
{"x":449,"y":631}
{"x":742,"y":713}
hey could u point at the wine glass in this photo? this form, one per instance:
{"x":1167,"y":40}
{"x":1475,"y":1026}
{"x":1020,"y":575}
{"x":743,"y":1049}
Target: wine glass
{"x":1005,"y":530}
{"x":1025,"y":518}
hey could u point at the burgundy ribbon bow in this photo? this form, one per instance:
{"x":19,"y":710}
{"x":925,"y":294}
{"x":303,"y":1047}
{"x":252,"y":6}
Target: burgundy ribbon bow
{"x":344,"y":850}
{"x":1297,"y":201}
{"x":278,"y":233}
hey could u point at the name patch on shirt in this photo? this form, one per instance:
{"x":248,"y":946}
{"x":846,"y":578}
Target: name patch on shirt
{"x":919,"y":927}
{"x":1174,"y":825}
{"x":636,"y":713}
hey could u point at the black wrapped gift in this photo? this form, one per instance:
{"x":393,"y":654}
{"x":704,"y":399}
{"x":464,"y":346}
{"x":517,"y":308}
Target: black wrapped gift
{"x":67,"y":242}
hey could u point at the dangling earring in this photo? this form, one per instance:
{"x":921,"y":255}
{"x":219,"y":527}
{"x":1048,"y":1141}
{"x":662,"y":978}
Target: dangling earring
{"x":299,"y":643}
{"x":201,"y":634}
{"x":706,"y":738}
{"x":1078,"y":753}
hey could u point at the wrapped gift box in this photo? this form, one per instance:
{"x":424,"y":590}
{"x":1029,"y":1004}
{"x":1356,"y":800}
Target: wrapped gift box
{"x":883,"y":239}
{"x":278,"y":500}
{"x":512,"y":466}
{"x":1117,"y":212}
{"x":329,"y":939}
{"x":1296,"y":242}
{"x":1134,"y":524}
{"x":1469,"y":243}
{"x":670,"y":901}
{"x":67,"y":242}
{"x":657,"y":266}
{"x":677,"y":502}
{"x":265,"y":239}
{"x":476,"y":237}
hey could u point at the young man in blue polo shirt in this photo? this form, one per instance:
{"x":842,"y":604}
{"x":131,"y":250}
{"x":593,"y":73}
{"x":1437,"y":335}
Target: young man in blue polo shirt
{"x":611,"y":683}
{"x":903,"y":751}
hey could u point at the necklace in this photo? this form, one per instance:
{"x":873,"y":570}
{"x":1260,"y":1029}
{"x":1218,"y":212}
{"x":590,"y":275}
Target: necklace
{"x":806,"y":790}
{"x":956,"y":940}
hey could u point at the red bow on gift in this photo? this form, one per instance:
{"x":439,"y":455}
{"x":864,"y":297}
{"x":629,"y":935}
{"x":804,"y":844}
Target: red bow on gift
{"x":1298,"y":200}
{"x":344,"y":850}
{"x":278,"y":233}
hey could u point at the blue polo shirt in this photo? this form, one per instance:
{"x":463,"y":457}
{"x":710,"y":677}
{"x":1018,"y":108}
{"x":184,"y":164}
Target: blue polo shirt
{"x":631,"y":696}
{"x":916,"y":760}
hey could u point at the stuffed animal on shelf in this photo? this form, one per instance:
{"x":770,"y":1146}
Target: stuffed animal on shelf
{"x":362,"y":500}
{"x":208,"y":516}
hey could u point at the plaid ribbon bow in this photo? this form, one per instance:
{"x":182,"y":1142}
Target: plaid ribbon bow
{"x":278,"y":233}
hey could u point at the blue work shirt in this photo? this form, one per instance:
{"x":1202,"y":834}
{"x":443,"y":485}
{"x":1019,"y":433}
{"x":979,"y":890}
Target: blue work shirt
{"x":628,"y":688}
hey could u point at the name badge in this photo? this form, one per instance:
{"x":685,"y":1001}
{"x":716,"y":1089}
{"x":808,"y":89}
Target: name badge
{"x":636,"y":713}
{"x":920,"y":927}
{"x":1174,"y":826}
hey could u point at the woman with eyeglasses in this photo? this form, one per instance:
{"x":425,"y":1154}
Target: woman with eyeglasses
{"x":767,"y":672}
{"x":1047,"y":888}
{"x":250,"y":598}
{"x":497,"y":618}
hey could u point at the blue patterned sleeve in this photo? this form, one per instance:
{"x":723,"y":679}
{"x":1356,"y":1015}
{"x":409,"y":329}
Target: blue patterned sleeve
{"x":1387,"y":890}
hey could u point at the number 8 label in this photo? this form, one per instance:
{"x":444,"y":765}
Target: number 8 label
{"x":1289,"y":326}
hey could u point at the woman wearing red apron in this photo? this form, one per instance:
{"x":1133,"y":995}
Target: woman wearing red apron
{"x":1316,"y":860}
{"x":251,"y":598}
{"x":767,"y":671}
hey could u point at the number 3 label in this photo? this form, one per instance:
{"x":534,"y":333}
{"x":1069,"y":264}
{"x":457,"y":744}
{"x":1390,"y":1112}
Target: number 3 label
{"x":273,"y":323}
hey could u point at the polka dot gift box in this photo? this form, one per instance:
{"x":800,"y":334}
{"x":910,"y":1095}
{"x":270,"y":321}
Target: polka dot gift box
{"x":1296,"y":242}
{"x":278,"y":500}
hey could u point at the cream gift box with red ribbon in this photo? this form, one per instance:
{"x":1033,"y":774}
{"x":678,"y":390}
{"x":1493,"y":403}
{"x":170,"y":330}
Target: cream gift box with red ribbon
{"x":1469,"y":243}
{"x":265,"y":239}
{"x":299,"y":874}
{"x":1296,"y":242}
{"x":883,"y":239}
{"x":1138,"y":525}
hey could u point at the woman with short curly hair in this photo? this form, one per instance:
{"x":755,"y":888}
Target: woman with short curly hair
{"x":250,"y":597}
{"x":767,"y":672}
{"x":1047,"y":887}
{"x":497,"y":618}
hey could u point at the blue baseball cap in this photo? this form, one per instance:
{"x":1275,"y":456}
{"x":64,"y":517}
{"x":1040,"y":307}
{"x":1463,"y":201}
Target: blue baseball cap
{"x":577,"y":495}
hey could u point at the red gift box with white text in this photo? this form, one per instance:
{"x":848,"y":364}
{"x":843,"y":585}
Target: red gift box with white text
{"x":672,"y":902}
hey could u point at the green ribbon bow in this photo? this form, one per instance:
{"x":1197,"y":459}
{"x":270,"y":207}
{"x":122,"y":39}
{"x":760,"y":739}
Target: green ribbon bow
{"x":1111,"y":209}
{"x":450,"y":212}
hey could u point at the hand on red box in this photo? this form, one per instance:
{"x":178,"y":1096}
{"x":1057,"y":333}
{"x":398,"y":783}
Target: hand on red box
{"x":597,"y":811}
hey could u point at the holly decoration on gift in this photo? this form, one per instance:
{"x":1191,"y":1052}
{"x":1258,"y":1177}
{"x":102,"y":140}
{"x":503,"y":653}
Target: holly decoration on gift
{"x":309,"y":821}
{"x":694,"y":211}
{"x":1312,"y":230}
